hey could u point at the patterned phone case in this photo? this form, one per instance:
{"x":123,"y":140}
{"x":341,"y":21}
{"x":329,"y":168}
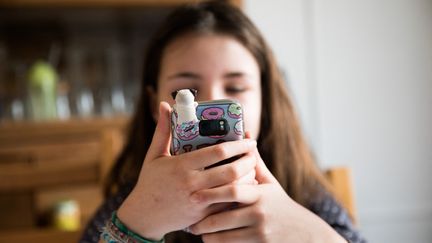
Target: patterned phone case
{"x":186,"y":136}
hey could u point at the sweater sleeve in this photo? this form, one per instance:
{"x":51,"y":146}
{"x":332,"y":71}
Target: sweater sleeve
{"x":336,"y":216}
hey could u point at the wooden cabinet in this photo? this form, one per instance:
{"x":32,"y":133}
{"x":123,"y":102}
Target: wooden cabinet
{"x":44,"y":163}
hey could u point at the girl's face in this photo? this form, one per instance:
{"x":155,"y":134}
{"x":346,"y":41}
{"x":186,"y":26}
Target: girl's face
{"x":219,"y":67}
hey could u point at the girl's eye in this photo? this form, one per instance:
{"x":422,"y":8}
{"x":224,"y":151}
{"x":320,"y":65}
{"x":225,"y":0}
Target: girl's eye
{"x":185,"y":88}
{"x":235,"y":90}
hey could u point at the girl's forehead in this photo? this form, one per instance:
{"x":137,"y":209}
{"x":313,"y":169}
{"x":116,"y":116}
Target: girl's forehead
{"x":206,"y":53}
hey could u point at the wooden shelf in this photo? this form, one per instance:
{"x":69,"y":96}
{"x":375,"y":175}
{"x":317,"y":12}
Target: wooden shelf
{"x":30,"y":151}
{"x":42,"y":163}
{"x":29,"y":178}
{"x":39,"y":235}
{"x":97,"y":3}
{"x":11,"y":128}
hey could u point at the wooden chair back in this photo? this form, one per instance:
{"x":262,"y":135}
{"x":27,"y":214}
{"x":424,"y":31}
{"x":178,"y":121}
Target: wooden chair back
{"x":341,"y":182}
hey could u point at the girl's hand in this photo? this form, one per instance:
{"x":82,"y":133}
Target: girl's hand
{"x":266,"y":214}
{"x":159,"y":203}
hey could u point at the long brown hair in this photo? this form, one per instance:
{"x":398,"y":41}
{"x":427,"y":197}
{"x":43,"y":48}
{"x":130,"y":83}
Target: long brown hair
{"x":280,"y":143}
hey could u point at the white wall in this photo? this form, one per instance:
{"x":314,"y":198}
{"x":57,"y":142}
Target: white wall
{"x":284,"y":25}
{"x":361,"y":74}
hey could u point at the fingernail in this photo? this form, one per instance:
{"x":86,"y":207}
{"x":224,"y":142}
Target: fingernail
{"x":252,"y":143}
{"x":187,"y":230}
{"x":190,"y":230}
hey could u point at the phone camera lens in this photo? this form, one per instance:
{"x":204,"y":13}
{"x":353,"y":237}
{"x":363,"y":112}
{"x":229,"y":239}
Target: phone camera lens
{"x":213,"y":127}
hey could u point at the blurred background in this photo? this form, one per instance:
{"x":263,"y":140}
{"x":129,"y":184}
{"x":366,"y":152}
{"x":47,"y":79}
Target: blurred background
{"x":360,"y":73}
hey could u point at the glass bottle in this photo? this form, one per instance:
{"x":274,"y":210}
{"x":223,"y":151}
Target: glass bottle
{"x":42,"y":82}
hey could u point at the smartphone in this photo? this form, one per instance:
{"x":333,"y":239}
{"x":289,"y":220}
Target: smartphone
{"x":218,"y":121}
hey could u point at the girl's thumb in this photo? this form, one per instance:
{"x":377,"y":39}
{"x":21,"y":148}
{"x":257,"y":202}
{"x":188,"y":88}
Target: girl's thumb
{"x":262,"y":173}
{"x":161,"y":141}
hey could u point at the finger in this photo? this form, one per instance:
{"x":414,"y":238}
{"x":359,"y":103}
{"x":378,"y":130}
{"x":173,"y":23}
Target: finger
{"x":248,"y":234}
{"x":219,"y":207}
{"x":263,"y":174}
{"x":249,"y":178}
{"x":227,"y":220}
{"x":160,"y":144}
{"x":208,"y":156}
{"x":245,"y":194}
{"x":225,"y":174}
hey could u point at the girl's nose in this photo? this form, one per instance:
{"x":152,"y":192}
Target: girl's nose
{"x":210,"y":93}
